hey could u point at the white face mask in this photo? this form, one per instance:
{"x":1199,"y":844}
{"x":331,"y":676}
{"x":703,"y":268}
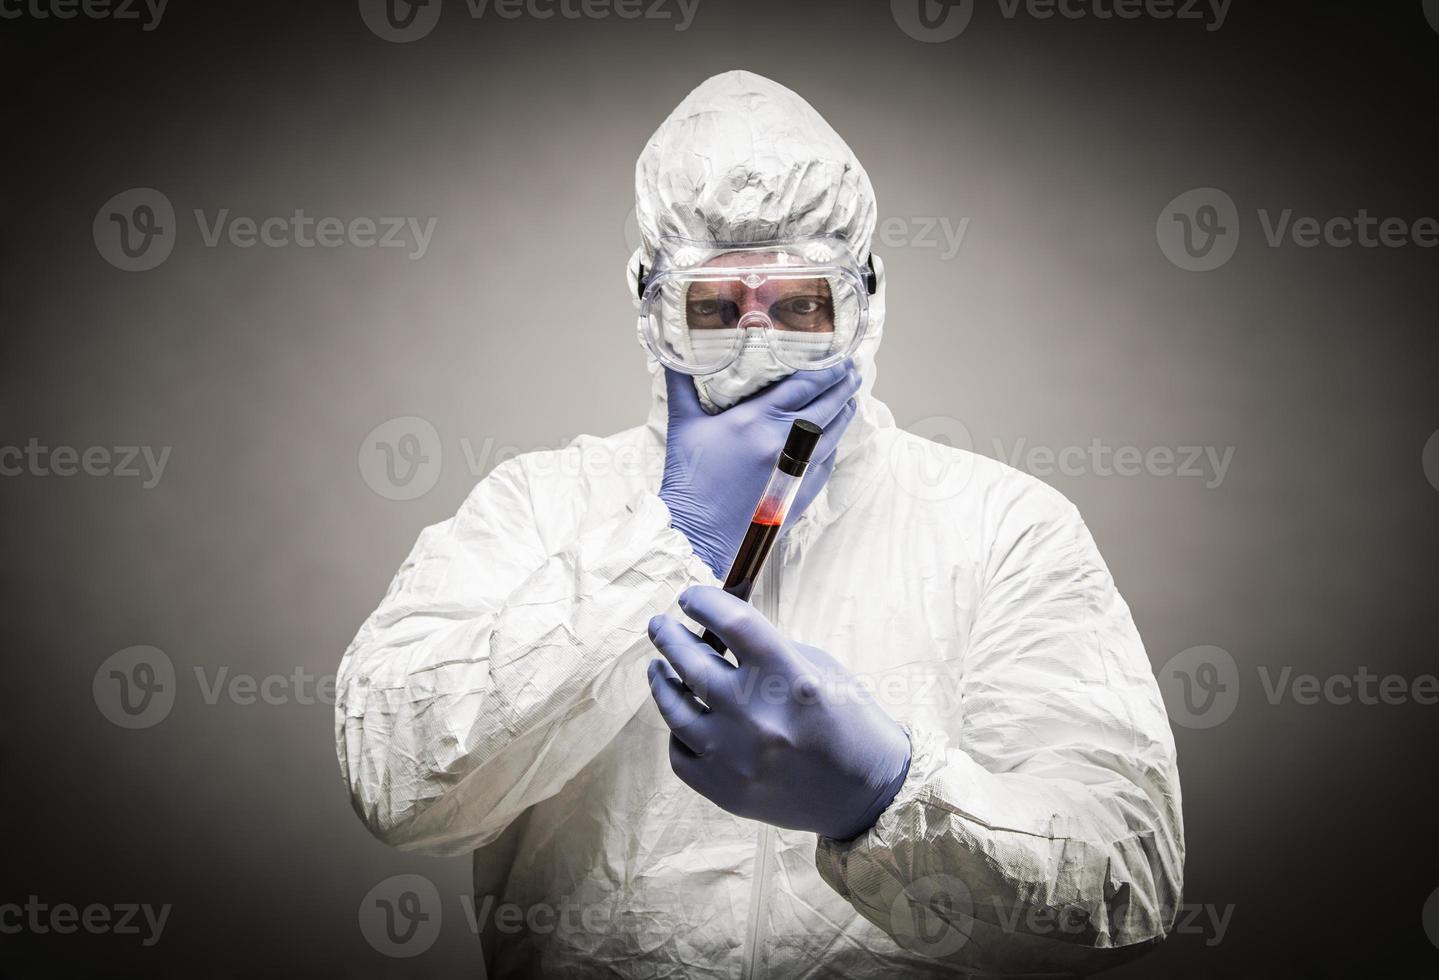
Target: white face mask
{"x":756,"y":366}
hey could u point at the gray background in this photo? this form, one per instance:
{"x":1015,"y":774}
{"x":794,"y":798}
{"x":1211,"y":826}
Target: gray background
{"x":1058,"y":322}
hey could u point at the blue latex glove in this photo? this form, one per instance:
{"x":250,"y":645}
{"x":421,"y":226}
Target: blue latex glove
{"x":789,"y":737}
{"x":716,"y":466}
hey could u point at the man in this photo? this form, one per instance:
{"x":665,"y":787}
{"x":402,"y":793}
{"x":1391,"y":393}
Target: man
{"x":940,"y":744}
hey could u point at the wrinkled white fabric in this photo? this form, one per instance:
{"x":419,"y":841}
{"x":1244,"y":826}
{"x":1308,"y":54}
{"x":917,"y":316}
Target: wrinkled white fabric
{"x":756,"y":366}
{"x":496,"y":700}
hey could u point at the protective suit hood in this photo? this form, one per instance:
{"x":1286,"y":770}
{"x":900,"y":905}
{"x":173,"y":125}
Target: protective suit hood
{"x":744,"y":159}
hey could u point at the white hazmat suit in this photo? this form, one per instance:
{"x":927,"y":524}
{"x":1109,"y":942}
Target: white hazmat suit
{"x":496,"y":701}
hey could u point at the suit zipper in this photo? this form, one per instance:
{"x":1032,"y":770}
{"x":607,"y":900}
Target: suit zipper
{"x":764,"y":845}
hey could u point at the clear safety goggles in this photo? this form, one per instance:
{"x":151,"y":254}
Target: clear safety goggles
{"x":705,"y":303}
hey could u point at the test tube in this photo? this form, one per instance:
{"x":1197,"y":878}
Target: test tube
{"x":769,"y":515}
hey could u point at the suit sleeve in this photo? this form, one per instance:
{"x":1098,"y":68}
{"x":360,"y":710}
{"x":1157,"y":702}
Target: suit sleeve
{"x":500,"y":661}
{"x":1043,"y":834}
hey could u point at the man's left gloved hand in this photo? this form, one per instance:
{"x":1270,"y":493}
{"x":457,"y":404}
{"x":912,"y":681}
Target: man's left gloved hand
{"x":789,"y":737}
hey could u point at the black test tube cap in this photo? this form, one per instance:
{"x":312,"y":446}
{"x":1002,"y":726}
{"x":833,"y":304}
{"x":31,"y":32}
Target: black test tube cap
{"x":799,"y":447}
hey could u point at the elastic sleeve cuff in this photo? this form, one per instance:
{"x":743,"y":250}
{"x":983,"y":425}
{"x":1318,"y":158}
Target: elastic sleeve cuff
{"x":927,"y":756}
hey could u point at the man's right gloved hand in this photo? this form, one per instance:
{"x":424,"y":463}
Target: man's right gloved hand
{"x":716,"y":466}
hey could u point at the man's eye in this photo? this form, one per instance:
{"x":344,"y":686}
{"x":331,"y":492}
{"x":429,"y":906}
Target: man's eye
{"x":805,"y":305}
{"x":710,"y":311}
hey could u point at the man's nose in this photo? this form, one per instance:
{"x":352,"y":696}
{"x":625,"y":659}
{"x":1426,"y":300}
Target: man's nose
{"x":750,"y":302}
